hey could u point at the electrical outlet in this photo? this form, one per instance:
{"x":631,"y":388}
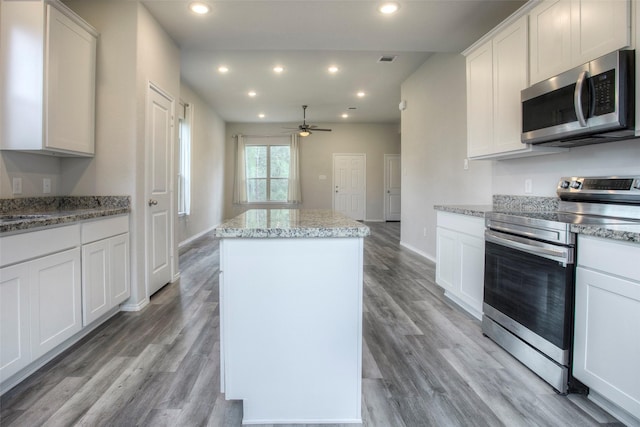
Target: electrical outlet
{"x":528,"y":186}
{"x":424,"y":231}
{"x":466,"y":164}
{"x":17,"y":185}
{"x":46,"y":185}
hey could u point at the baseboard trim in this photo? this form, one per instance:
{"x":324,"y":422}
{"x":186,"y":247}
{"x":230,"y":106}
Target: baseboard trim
{"x":196,"y":236}
{"x":135,"y":307}
{"x":417,"y":251}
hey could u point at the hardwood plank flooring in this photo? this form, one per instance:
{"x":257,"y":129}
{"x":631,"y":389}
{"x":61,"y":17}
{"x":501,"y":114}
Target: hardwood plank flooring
{"x":425,"y":361}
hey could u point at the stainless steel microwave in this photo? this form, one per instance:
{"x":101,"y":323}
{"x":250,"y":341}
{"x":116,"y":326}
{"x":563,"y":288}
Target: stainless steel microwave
{"x":589,"y":104}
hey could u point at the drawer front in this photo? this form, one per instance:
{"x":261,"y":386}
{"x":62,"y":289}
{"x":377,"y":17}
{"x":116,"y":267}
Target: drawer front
{"x":103,"y":228}
{"x":614,"y":257}
{"x":25,"y":246}
{"x":471,"y":225}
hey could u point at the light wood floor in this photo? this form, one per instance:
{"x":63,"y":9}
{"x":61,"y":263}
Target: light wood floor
{"x":426,"y":363}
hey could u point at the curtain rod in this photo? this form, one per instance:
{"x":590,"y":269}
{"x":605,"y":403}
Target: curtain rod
{"x":264,"y":136}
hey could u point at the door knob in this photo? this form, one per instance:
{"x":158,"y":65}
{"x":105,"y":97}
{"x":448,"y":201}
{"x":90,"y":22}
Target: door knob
{"x":152,"y":202}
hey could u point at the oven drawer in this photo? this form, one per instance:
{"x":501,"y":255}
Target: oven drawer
{"x":609,"y":256}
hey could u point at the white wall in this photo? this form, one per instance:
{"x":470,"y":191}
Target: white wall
{"x":207,"y":168}
{"x":434,"y":148}
{"x":316,"y":158}
{"x":133,"y":50}
{"x":32,"y":168}
{"x":615,"y":158}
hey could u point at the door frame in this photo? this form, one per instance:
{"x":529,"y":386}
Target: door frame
{"x":386,"y":207}
{"x":151,"y":86}
{"x":364,"y":181}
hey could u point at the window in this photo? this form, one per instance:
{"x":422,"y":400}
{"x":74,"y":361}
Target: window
{"x":184,"y":159}
{"x":267,"y":169}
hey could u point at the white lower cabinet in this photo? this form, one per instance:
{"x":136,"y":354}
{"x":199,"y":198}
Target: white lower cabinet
{"x":15,"y":349}
{"x":54,"y":283}
{"x":105,"y":266}
{"x":607,"y":324}
{"x":460,"y":260}
{"x":39,"y":294}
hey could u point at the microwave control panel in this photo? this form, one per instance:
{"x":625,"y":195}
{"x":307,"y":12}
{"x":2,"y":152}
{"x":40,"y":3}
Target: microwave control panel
{"x":604,"y":93}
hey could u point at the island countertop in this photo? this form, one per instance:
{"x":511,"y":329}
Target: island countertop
{"x":291,"y":223}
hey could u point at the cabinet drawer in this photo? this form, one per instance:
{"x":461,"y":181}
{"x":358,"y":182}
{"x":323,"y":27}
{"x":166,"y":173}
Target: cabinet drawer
{"x":615,"y":257}
{"x":471,"y":225}
{"x":25,"y":246}
{"x":103,"y":228}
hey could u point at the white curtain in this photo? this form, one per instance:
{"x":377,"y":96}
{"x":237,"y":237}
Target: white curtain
{"x":294,"y":195}
{"x":240,"y":180}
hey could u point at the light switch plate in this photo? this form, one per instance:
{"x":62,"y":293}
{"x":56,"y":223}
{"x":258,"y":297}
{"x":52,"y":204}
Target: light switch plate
{"x":17,"y":185}
{"x":46,"y":185}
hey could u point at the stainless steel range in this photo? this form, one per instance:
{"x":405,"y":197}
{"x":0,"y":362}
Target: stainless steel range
{"x":530,"y":269}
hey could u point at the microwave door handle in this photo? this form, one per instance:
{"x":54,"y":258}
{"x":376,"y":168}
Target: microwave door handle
{"x":577,"y":98}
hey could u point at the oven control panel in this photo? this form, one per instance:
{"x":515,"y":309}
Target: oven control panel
{"x":623,"y":189}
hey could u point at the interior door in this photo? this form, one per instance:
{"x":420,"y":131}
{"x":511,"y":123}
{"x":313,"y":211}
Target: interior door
{"x":392,"y":176}
{"x":159,"y":216}
{"x":349,"y":184}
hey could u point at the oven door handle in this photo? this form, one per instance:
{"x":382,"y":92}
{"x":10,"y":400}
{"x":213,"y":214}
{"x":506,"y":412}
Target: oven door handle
{"x":556,"y":253}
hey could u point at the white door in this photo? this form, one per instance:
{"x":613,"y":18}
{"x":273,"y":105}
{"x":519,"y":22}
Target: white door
{"x":392,"y":187}
{"x":349,"y":184}
{"x":158,"y":171}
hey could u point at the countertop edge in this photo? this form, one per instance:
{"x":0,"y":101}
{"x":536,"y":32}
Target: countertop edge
{"x":284,"y":233}
{"x":604,"y":231}
{"x":59,"y":218}
{"x":468,"y":210}
{"x":607,"y":233}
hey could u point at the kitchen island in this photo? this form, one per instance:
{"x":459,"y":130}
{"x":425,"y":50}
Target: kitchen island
{"x":291,"y":315}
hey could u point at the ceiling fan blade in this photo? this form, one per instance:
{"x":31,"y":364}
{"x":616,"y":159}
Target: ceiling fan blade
{"x":321,"y":130}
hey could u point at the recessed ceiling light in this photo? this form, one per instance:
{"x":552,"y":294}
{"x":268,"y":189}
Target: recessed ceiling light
{"x":252,"y":93}
{"x":388,"y":8}
{"x":199,"y":8}
{"x":333,"y":69}
{"x":261,"y":115}
{"x":278,"y":69}
{"x":345,"y":115}
{"x":360,"y":94}
{"x":223,"y":69}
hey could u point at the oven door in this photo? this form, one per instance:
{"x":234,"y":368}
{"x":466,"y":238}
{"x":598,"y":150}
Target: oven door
{"x":528,"y":289}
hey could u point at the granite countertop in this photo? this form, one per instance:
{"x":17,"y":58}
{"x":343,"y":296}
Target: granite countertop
{"x":23,"y":214}
{"x":291,"y":223}
{"x":623,"y":232}
{"x":546,"y":208}
{"x":469,"y":210}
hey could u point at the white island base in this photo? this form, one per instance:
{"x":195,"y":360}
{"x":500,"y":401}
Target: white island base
{"x":291,"y":328}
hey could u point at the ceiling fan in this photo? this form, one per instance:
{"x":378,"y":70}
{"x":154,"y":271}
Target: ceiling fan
{"x":304,"y":129}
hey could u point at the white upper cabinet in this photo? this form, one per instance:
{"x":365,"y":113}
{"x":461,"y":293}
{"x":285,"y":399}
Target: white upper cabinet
{"x":47,"y":83}
{"x":567,"y":33}
{"x":510,"y":61}
{"x":480,"y":100}
{"x":497,"y":70}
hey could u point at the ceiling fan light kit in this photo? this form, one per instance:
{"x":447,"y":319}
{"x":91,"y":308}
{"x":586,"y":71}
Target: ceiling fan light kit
{"x":304,"y":129}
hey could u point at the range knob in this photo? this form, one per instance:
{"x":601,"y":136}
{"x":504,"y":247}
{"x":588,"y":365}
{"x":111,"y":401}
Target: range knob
{"x":575,"y":184}
{"x":564,"y":184}
{"x":636,"y":184}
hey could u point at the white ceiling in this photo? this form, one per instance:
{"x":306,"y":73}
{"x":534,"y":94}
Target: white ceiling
{"x":306,"y":36}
